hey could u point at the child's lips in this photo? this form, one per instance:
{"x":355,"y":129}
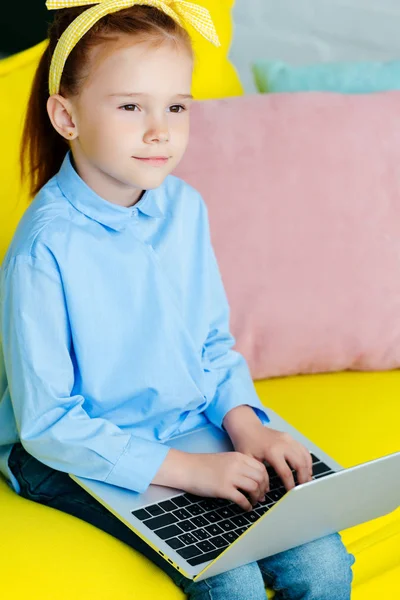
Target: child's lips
{"x":156,"y":161}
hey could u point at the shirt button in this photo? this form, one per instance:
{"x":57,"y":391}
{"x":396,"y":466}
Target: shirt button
{"x":134,"y":212}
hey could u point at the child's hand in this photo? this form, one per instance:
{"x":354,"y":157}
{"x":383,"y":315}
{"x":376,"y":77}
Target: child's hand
{"x":231,"y":474}
{"x":250,"y":437}
{"x":278,"y":449}
{"x":226,"y":475}
{"x":217,"y":475}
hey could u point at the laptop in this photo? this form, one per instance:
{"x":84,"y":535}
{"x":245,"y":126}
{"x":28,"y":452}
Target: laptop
{"x":203,"y":536}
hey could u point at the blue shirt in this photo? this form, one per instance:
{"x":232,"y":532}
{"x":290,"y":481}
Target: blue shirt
{"x":114,"y":330}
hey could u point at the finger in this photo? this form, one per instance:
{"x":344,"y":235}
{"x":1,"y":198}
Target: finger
{"x":259,"y":472}
{"x":282,"y":468}
{"x":259,"y":475}
{"x":256,"y":464}
{"x":302,"y":471}
{"x":255,"y":469}
{"x":263,"y":484}
{"x":240,"y":499}
{"x":302,"y":463}
{"x":266,"y":482}
{"x":307,"y":456}
{"x":310,"y":462}
{"x":251,"y":487}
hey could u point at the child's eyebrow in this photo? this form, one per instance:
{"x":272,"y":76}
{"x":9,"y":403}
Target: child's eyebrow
{"x":125,"y":94}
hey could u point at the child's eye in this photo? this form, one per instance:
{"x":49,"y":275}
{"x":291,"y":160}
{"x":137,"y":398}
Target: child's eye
{"x":125,"y":105}
{"x":173,"y":108}
{"x":178,"y":106}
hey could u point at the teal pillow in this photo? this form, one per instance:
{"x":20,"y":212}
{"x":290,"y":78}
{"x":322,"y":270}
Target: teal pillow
{"x":349,"y":78}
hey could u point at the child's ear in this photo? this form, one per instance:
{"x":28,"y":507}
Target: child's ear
{"x":61,"y":116}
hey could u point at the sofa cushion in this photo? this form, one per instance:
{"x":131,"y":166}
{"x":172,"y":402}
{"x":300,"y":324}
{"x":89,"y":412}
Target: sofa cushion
{"x":214,"y":77}
{"x":346,"y":77}
{"x":303,"y":195}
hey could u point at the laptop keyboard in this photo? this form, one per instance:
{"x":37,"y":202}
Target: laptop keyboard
{"x":200,"y":528}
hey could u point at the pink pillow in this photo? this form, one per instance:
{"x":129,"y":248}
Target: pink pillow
{"x":303,"y":192}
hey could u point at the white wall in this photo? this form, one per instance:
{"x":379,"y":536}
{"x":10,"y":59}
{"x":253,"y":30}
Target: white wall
{"x":302,"y":31}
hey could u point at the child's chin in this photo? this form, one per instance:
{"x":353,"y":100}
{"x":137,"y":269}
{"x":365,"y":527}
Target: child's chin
{"x":151,"y":180}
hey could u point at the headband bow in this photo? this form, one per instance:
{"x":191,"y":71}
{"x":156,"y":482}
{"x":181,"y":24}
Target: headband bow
{"x":180,"y":10}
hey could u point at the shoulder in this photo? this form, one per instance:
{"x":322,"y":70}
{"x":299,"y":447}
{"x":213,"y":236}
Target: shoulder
{"x":47,"y":216}
{"x":178,"y":194}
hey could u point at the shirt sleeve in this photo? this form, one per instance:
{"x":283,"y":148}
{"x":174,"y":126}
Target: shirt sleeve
{"x":52,"y":422}
{"x":235,"y":386}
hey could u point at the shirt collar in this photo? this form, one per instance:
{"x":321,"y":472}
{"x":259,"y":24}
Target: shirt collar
{"x":85,"y":199}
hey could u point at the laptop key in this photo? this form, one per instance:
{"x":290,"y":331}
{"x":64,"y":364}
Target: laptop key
{"x":213,"y":529}
{"x":199,"y":521}
{"x":274,"y":482}
{"x":241,"y":530}
{"x":227,"y":525}
{"x":162,"y":521}
{"x":220,"y":542}
{"x":314,"y":458}
{"x":230,"y":536}
{"x":155,"y":510}
{"x":201,"y":534}
{"x":213,"y":516}
{"x":187,"y":525}
{"x":320,"y":468}
{"x":252,"y":516}
{"x":193,"y":497}
{"x":236,"y":509}
{"x":263,"y":509}
{"x":204,"y":557}
{"x":225,"y":512}
{"x":141,"y":514}
{"x":275,"y":495}
{"x":175,"y":543}
{"x":208,"y":504}
{"x":167,"y":505}
{"x":190,"y":551}
{"x":266,"y":502}
{"x":206,"y":546}
{"x":195,"y":509}
{"x":323,"y":474}
{"x":188,"y":538}
{"x":222,"y":501}
{"x":181,"y":513}
{"x":239,"y":520}
{"x":180,"y":501}
{"x":168,"y":532}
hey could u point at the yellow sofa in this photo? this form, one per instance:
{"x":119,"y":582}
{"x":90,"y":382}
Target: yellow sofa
{"x":48,"y":555}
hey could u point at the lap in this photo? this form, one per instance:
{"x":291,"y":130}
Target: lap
{"x":56,"y":489}
{"x":323,"y":564}
{"x":319,"y":569}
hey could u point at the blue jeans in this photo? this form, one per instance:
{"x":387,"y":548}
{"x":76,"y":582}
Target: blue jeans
{"x":319,"y":570}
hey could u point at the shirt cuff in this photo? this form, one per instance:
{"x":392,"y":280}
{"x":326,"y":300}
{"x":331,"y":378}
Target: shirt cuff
{"x":138,"y":464}
{"x":228,"y":398}
{"x":262,"y":415}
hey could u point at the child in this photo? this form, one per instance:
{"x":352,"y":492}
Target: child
{"x":114,"y":320}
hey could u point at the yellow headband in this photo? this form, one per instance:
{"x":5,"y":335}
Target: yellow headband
{"x":196,"y":15}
